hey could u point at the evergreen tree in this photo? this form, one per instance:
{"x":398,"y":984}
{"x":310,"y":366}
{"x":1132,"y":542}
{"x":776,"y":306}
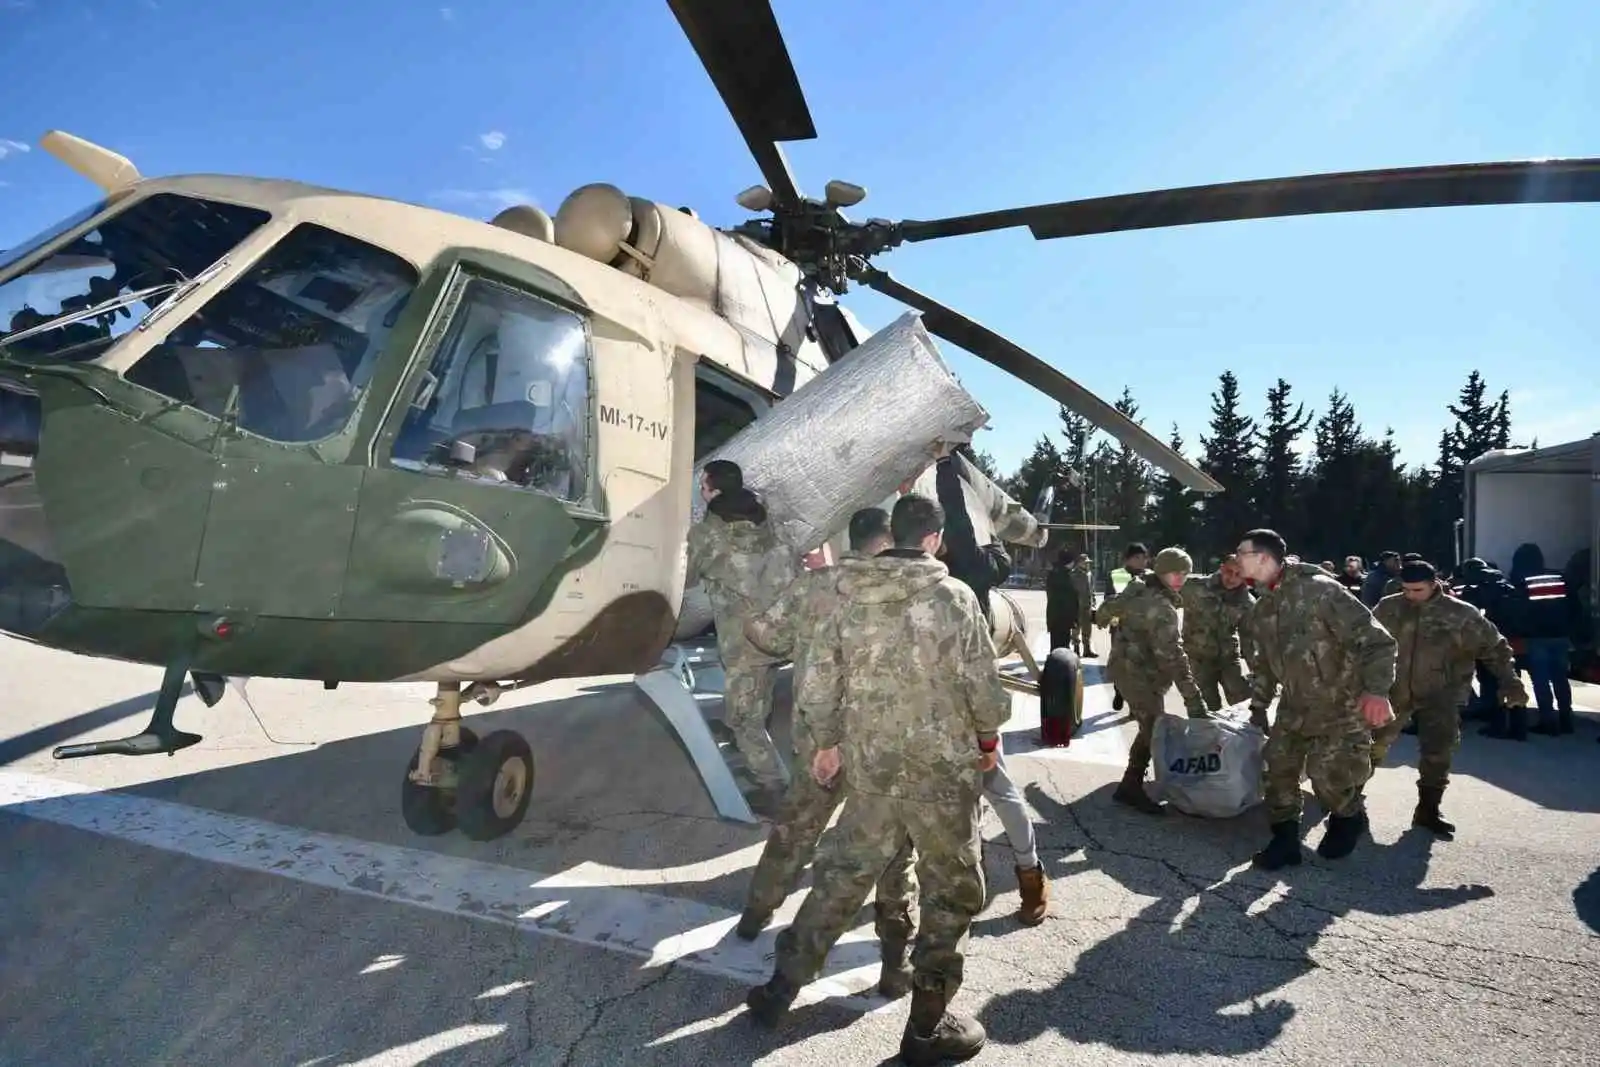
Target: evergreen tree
{"x":1229,"y":456}
{"x":1129,"y":478}
{"x":1335,"y":495}
{"x":1277,"y":498}
{"x":1174,"y":518}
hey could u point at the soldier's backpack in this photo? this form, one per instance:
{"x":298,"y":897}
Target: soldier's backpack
{"x":1209,"y":767}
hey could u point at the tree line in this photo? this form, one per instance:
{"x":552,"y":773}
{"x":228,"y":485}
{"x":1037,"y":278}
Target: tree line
{"x":1348,"y":493}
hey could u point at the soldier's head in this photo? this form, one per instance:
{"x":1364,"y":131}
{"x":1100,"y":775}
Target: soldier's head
{"x":1418,"y":580}
{"x":917,"y":522}
{"x":1261,"y":554}
{"x":1083,"y":561}
{"x":1230,"y":573}
{"x":1172,"y":566}
{"x":1390,"y":560}
{"x":1136,"y":558}
{"x":720,"y":476}
{"x":1353,"y":565}
{"x":869,"y":532}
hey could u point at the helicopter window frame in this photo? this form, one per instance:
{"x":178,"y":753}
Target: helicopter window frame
{"x":243,"y":289}
{"x":438,"y":341}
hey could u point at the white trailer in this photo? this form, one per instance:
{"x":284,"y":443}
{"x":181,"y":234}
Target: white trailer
{"x":1549,"y":496}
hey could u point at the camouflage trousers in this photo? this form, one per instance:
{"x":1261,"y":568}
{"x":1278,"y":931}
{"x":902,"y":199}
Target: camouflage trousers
{"x":746,"y":706}
{"x":1221,"y":681}
{"x":871,"y":831}
{"x":1338,"y":764}
{"x":1145,"y":705}
{"x":792,"y":844}
{"x":1438,"y":737}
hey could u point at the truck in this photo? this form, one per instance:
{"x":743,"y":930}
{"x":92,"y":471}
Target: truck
{"x":1549,"y":496}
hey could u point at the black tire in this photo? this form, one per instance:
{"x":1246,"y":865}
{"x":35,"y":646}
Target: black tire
{"x":429,"y":811}
{"x":489,"y":801}
{"x":1061,"y":687}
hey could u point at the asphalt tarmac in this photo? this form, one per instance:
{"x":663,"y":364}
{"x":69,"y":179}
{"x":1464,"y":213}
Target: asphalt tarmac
{"x":257,"y":900}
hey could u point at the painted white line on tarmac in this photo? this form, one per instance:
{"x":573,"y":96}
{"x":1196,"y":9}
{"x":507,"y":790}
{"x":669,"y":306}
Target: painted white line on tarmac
{"x":656,"y":928}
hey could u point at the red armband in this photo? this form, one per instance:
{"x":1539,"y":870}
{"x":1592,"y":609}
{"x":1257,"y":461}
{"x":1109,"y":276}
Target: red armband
{"x":989,"y":746}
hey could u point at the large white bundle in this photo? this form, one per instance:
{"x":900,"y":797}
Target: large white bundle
{"x":850,"y":437}
{"x":1209,"y":767}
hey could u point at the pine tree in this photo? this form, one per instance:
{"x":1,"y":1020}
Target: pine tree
{"x":1129,"y":477}
{"x":1174,"y":518}
{"x":1277,"y":497}
{"x":1335,"y":495}
{"x":1228,"y":455}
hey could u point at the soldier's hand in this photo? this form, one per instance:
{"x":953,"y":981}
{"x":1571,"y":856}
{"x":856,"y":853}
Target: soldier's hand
{"x":825,"y":765}
{"x":1376,"y":710}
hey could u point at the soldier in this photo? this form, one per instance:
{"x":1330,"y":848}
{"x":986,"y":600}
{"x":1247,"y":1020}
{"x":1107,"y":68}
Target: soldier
{"x":901,"y":691}
{"x":1147,"y":657}
{"x":1134,"y":562}
{"x":1063,"y":603}
{"x":1213,"y":608}
{"x":1336,"y":665}
{"x":735,"y":554}
{"x":786,"y":629}
{"x":1079,"y":576}
{"x":1440,"y":639}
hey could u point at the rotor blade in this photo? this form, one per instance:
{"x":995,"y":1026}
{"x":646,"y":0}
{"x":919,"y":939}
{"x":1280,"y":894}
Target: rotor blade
{"x":1014,"y":360}
{"x":741,"y":47}
{"x":1538,"y":181}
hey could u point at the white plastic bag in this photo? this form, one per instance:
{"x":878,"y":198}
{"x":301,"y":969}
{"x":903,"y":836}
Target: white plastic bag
{"x":1209,"y":767}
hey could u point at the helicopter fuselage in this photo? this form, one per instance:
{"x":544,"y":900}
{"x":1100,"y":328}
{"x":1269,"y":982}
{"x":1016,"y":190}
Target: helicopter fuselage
{"x":374,"y":441}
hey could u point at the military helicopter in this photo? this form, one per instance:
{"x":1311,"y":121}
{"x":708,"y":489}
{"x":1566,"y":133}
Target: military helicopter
{"x":259,"y":428}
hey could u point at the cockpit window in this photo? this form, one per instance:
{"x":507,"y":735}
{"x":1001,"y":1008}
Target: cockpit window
{"x":290,"y":345}
{"x":22,"y":249}
{"x":128,"y":265}
{"x":511,"y":380}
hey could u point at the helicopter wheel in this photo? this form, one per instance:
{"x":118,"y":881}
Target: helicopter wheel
{"x":429,"y":810}
{"x":495,"y":783}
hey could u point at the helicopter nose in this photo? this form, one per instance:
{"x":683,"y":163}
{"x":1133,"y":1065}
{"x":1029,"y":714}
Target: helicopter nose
{"x":33,"y":583}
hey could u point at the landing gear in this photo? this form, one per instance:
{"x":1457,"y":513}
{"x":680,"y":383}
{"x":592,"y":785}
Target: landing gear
{"x":456,"y":781}
{"x":159,"y":736}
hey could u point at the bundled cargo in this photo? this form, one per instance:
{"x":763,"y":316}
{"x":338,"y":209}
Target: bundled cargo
{"x":848,"y":439}
{"x":851,"y":436}
{"x":1209,"y":767}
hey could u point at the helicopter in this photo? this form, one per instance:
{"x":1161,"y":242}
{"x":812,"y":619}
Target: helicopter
{"x":264,"y":428}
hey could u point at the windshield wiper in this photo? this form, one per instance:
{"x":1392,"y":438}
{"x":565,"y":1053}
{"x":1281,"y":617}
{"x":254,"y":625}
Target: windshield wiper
{"x":116,"y":303}
{"x":181,"y":290}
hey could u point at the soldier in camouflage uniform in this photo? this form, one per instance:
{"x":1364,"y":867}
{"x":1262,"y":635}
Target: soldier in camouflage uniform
{"x":734,"y":553}
{"x":1335,"y":665}
{"x":1079,"y":576}
{"x":901,"y":692}
{"x":1147,"y":658}
{"x":787,"y":629}
{"x":1440,"y":641}
{"x":1213,"y":607}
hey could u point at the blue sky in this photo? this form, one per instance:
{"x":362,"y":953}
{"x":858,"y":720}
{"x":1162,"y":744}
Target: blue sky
{"x":938,"y":107}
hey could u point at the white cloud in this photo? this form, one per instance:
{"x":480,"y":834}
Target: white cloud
{"x":497,"y":199}
{"x":493,"y":140}
{"x":15,"y":5}
{"x":9,"y":147}
{"x":447,"y":13}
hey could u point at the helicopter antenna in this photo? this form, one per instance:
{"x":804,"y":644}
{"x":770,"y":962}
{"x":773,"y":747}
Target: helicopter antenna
{"x":237,"y":684}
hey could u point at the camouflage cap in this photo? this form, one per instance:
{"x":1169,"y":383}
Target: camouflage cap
{"x":1172,"y":561}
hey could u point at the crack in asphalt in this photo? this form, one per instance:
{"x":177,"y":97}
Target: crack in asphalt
{"x":599,"y":1009}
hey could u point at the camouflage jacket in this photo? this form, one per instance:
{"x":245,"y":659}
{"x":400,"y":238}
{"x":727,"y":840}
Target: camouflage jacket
{"x":1322,"y":647}
{"x":902,"y":676}
{"x":744,"y":567}
{"x":786,"y":629}
{"x":1081,"y":585}
{"x":1439,"y":641}
{"x":1146,"y":650}
{"x":1212,"y":618}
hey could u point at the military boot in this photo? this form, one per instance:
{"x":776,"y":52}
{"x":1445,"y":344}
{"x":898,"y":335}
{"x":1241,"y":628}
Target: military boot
{"x":1130,"y":791}
{"x":1035,"y":894}
{"x":1517,"y":724}
{"x":751,"y":923}
{"x":1499,"y":727}
{"x":1284,"y":848}
{"x":1427,"y":814}
{"x":1564,"y":721}
{"x":768,"y":1003}
{"x":894,"y":949}
{"x":1547,"y":726}
{"x":935,"y":1035}
{"x":1339,"y":840}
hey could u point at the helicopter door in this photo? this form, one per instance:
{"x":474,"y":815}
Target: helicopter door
{"x":487,"y":491}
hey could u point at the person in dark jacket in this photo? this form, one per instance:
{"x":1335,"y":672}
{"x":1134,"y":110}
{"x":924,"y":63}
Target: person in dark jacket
{"x":1542,"y":612}
{"x":1064,"y":602}
{"x":1386,"y":570}
{"x":1354,"y":576}
{"x":1486,"y":589}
